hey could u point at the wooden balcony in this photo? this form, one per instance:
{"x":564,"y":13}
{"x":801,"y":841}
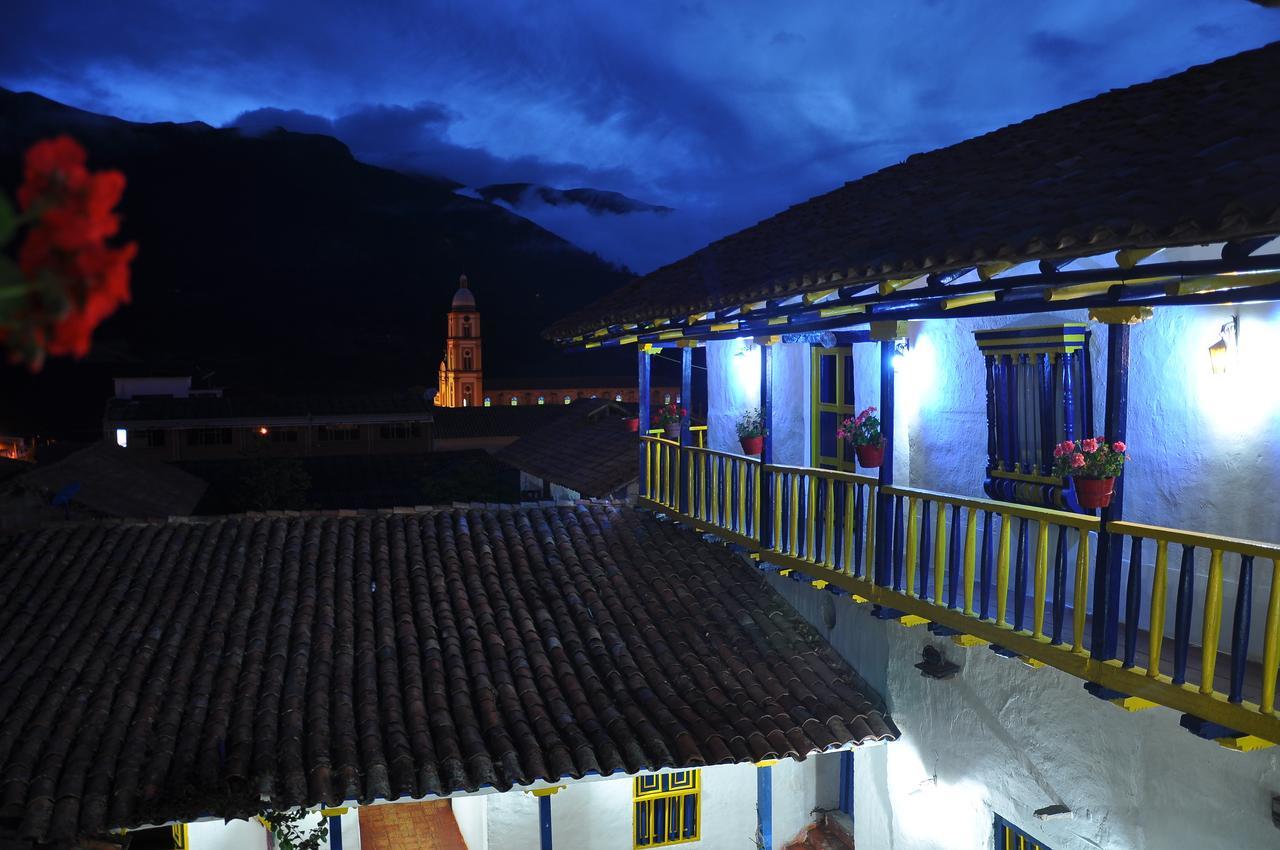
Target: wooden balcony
{"x":1014,"y":577}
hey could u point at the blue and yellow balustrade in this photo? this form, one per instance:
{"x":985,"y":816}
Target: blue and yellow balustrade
{"x":1016,"y":577}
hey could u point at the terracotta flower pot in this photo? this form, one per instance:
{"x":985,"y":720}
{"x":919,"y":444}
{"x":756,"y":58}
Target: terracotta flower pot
{"x":870,"y":456}
{"x":752,"y":445}
{"x":633,"y":424}
{"x":1093,"y":493}
{"x":672,"y":431}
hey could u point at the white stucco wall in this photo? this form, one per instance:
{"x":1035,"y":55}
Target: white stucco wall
{"x":1005,"y":739}
{"x":472,"y":817}
{"x":251,"y":835}
{"x":597,"y":814}
{"x":733,"y":386}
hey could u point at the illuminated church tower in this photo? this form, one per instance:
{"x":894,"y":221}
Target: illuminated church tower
{"x":461,"y":372}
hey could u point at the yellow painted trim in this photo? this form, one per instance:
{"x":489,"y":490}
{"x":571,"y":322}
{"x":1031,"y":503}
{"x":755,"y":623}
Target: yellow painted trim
{"x":1025,"y":511}
{"x":1229,"y":280}
{"x":1130,"y":257}
{"x":1133,"y":703}
{"x":1194,"y":538}
{"x":1245,"y":743}
{"x":725,"y":326}
{"x":339,"y":811}
{"x":627,"y":340}
{"x":812,"y":297}
{"x":1080,"y":290}
{"x":966,"y":300}
{"x":547,"y":792}
{"x":968,"y":640}
{"x":593,"y":345}
{"x":671,"y":334}
{"x":911,"y":620}
{"x":986,"y":271}
{"x":778,"y":320}
{"x":889,"y":286}
{"x":766,"y":763}
{"x":842,"y":310}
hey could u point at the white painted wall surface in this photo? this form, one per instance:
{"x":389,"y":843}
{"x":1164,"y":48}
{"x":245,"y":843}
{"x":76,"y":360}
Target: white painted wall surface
{"x":733,"y":386}
{"x":1005,"y":739}
{"x":597,"y":814}
{"x":472,"y":817}
{"x":251,"y":835}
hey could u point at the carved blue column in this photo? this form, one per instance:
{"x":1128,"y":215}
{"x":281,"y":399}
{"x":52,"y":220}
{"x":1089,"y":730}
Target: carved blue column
{"x":765,"y":533}
{"x":644,"y":412}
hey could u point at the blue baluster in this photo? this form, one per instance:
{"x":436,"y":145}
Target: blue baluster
{"x":1182,"y":614}
{"x":1240,"y":629}
{"x":858,"y":519}
{"x":984,"y":575}
{"x":953,"y":558}
{"x":899,"y":537}
{"x":1133,"y":601}
{"x":1020,"y":577}
{"x":925,"y":554}
{"x":1059,"y":583}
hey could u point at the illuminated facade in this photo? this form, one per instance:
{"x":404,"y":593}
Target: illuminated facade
{"x":461,"y":371}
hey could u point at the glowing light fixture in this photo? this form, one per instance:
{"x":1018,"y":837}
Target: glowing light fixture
{"x":1223,"y":352}
{"x":264,"y":430}
{"x":900,"y":352}
{"x":122,"y":438}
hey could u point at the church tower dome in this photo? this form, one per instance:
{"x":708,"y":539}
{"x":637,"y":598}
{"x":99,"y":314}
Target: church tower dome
{"x":463,"y":299}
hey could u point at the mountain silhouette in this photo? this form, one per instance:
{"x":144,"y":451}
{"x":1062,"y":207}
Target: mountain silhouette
{"x":278,"y":262}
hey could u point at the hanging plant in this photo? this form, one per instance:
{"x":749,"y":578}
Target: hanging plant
{"x":751,"y":432}
{"x":1094,"y":465}
{"x":863,"y":433}
{"x":290,"y":834}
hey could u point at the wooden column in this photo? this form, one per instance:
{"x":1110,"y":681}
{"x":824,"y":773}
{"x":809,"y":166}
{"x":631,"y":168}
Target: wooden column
{"x":643,"y":393}
{"x":764,"y":533}
{"x":686,"y":395}
{"x":1106,"y":579}
{"x":887,"y":333}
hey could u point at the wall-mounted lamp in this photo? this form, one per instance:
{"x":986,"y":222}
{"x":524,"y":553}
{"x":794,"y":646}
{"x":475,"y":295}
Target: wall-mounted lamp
{"x":900,"y":352}
{"x":1223,"y":352}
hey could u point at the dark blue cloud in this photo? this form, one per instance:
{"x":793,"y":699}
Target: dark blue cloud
{"x":726,"y":111}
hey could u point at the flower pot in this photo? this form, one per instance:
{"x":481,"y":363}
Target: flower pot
{"x":870,"y":456}
{"x":633,"y":424}
{"x":752,"y":445}
{"x":1093,"y":493}
{"x":672,"y":431}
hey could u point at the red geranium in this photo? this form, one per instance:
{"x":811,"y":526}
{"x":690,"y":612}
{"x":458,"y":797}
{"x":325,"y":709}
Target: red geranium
{"x":67,"y":278}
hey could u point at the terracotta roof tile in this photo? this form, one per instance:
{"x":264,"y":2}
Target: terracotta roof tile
{"x":156,"y":671}
{"x":1183,"y":160}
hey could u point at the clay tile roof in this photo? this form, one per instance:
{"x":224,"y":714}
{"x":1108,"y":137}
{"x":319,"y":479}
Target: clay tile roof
{"x":1184,"y":160}
{"x":157,"y":671}
{"x":588,"y":449}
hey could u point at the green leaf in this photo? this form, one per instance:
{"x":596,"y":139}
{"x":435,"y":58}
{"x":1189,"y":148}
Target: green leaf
{"x":8,"y":220}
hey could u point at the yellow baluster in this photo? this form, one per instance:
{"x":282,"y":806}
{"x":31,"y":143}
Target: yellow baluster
{"x":850,"y":503}
{"x":970,"y":559}
{"x":776,"y":485}
{"x":740,"y":521}
{"x":811,"y":520}
{"x":870,"y":531}
{"x":1041,"y":580}
{"x":792,"y":549}
{"x":1156,"y":635}
{"x":757,"y":476}
{"x":939,"y":553}
{"x":1212,"y":623}
{"x":1002,"y":569}
{"x":828,"y":537}
{"x":716,"y":500}
{"x":1081,"y":601}
{"x":912,"y":553}
{"x":1271,"y":644}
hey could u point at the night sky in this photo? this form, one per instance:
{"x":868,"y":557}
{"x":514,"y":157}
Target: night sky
{"x":727,"y":112}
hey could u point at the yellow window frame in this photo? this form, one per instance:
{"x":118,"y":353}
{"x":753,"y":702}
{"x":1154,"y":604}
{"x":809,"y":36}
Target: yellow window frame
{"x":674,"y":787}
{"x":843,"y":406}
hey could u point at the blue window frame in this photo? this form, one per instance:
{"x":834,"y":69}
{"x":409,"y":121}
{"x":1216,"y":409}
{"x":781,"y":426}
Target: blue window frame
{"x":1009,"y":837}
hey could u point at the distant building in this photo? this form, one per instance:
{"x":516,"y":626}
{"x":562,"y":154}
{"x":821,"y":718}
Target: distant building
{"x":166,"y":419}
{"x":462,"y":382}
{"x":587,"y":451}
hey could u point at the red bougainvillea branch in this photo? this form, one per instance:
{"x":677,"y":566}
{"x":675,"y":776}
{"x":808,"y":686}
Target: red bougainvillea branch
{"x":66,"y":278}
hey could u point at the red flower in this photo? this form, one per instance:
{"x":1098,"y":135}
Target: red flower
{"x":1118,"y":446}
{"x":1090,"y":445}
{"x":1077,"y":460}
{"x":75,"y":279}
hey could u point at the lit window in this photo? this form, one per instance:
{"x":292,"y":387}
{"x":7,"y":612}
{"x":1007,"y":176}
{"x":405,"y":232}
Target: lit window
{"x":488,"y":402}
{"x":666,"y":399}
{"x":568,"y":399}
{"x":122,"y":438}
{"x":666,"y":809}
{"x":542,"y":400}
{"x":617,"y":396}
{"x":466,"y":402}
{"x":677,"y":399}
{"x":1009,"y":837}
{"x":514,"y":401}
